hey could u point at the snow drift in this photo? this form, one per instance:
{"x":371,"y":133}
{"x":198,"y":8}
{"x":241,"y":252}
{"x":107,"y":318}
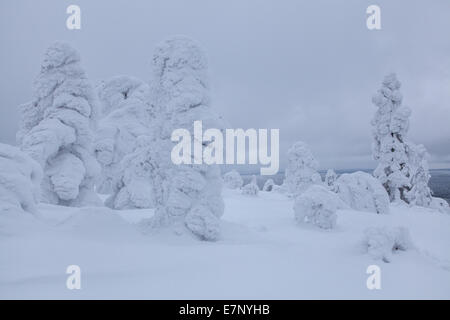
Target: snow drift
{"x":20,"y":178}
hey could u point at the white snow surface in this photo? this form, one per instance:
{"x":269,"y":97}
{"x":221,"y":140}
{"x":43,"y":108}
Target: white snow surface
{"x":261,"y":253}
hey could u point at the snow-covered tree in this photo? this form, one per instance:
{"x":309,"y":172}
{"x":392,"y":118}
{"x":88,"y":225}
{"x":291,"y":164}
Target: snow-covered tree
{"x":363,"y":192}
{"x":125,"y":116}
{"x":180,"y":92}
{"x":56,"y":128}
{"x":301,"y":171}
{"x":136,"y":178}
{"x":317,"y":205}
{"x":20,"y":179}
{"x":268,"y":185}
{"x":420,"y":193}
{"x":233,"y":179}
{"x":251,"y":189}
{"x":390,"y":148}
{"x":330,"y":179}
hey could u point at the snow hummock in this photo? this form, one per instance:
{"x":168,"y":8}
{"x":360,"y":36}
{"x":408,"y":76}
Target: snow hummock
{"x":382,"y":242}
{"x":318,"y":206}
{"x":363,"y":192}
{"x":440,"y":204}
{"x":233,"y":180}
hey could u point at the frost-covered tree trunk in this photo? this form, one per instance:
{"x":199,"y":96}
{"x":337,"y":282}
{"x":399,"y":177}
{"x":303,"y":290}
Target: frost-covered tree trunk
{"x":301,"y":171}
{"x":330,"y":179}
{"x":192,"y":192}
{"x":126,"y":116}
{"x":390,"y":148}
{"x":56,"y":128}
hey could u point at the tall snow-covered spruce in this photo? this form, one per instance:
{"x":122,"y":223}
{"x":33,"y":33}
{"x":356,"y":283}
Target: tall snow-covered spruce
{"x":56,"y":128}
{"x":301,"y":170}
{"x":390,"y":148}
{"x":191,"y":194}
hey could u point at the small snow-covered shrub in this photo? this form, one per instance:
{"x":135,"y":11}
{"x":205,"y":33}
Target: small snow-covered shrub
{"x":318,"y":206}
{"x":233,"y":180}
{"x":361,"y":191}
{"x":20,"y":179}
{"x":251,"y":189}
{"x":268,"y":185}
{"x":440,"y":204}
{"x":301,"y":171}
{"x":381,"y":242}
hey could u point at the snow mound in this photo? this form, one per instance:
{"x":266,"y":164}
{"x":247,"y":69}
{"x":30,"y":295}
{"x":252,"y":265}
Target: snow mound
{"x":318,"y":206}
{"x":233,"y":180}
{"x":440,"y":204}
{"x":20,"y":178}
{"x":381,"y":242}
{"x":362,"y":192}
{"x":98,"y":223}
{"x":203,"y":223}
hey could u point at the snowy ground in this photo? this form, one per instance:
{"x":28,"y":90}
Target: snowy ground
{"x":262,"y":254}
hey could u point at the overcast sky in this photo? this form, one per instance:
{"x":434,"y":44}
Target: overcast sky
{"x":308,"y":68}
